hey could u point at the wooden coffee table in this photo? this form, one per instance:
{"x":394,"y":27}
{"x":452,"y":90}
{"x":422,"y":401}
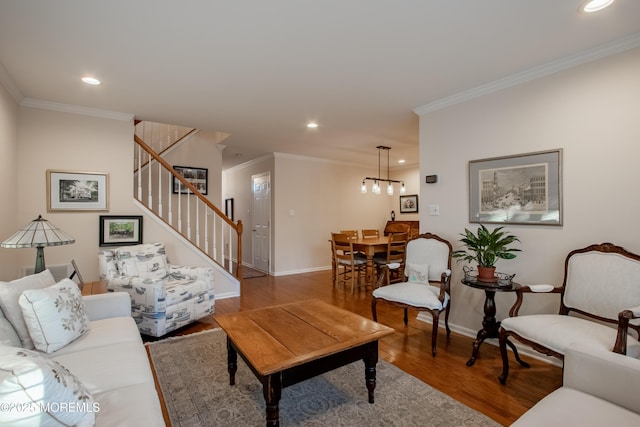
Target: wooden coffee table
{"x":286,"y":344}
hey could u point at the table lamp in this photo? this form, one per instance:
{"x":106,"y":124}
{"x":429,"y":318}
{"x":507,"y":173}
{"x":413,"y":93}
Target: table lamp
{"x":38,"y":234}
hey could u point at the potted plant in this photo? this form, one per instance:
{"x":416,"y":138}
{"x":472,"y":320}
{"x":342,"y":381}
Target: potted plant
{"x":486,"y":247}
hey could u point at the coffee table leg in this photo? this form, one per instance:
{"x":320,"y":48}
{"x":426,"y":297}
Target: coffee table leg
{"x":272,"y":390}
{"x":370,"y":369}
{"x":232,"y":362}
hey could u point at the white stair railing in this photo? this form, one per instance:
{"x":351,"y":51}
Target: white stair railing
{"x":182,"y":207}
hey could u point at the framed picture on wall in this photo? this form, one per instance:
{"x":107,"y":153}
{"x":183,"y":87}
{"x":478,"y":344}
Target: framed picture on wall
{"x":409,"y":204}
{"x":198,"y":177}
{"x":120,"y":230}
{"x":521,"y":189}
{"x":228,"y":208}
{"x":77,"y":191}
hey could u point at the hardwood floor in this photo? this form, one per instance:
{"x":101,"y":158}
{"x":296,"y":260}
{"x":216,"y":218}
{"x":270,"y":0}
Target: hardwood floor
{"x":410,"y":347}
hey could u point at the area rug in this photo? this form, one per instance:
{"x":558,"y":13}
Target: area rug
{"x":192,"y":373}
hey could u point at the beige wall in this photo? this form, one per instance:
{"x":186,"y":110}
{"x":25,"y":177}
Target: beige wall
{"x":75,"y":142}
{"x":72,"y":142}
{"x":411,"y":177}
{"x":8,"y":175}
{"x":311,"y":198}
{"x":591,"y":112}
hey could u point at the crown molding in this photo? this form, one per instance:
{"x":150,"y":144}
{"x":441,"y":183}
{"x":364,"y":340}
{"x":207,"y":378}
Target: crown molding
{"x":281,"y":155}
{"x":544,"y":70}
{"x":249,"y":163}
{"x":74,"y":109}
{"x":289,"y":156}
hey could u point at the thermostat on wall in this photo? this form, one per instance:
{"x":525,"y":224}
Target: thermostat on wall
{"x":432,"y":179}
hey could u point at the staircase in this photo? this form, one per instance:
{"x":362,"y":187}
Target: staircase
{"x":176,"y":202}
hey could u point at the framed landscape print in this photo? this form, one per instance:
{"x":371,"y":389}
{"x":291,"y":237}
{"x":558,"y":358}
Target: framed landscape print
{"x":198,"y":177}
{"x":77,"y":191}
{"x":120,"y":230}
{"x":521,"y":189}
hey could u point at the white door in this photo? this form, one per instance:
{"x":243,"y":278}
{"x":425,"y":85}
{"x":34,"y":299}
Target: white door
{"x":261,"y":230}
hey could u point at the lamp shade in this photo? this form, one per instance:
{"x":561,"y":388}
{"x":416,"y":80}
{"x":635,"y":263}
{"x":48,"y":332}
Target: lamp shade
{"x":38,"y":234}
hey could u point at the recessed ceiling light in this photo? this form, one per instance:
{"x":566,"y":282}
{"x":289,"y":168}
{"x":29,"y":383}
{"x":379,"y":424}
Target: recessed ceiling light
{"x":595,"y":5}
{"x":401,"y":161}
{"x":91,"y":80}
{"x":312,"y":125}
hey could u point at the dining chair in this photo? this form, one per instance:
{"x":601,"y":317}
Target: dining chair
{"x":398,"y":227}
{"x":353,"y":268}
{"x":428,"y":282}
{"x":351,"y":234}
{"x":395,"y":254}
{"x":370,"y":234}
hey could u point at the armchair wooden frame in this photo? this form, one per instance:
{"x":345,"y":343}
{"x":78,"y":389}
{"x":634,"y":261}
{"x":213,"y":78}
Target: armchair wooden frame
{"x":622,"y":321}
{"x":443,"y":297}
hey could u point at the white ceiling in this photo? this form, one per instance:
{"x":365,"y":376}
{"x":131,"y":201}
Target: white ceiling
{"x":260,"y":70}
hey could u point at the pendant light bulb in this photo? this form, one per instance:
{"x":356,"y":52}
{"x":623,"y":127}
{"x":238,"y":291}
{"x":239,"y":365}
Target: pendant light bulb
{"x":376,"y":188}
{"x":390,"y":189}
{"x":402,"y":189}
{"x":363,"y":189}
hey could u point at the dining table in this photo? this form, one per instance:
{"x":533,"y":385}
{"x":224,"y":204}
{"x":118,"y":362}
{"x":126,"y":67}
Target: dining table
{"x":370,"y":246}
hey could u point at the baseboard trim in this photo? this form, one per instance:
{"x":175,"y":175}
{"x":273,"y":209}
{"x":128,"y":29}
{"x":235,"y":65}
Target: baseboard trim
{"x":227,"y":295}
{"x":305,"y":270}
{"x":528,"y":351}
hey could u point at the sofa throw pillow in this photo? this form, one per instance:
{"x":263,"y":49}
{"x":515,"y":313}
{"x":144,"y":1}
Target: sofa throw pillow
{"x":418,"y":273}
{"x":8,"y":335}
{"x":55,"y":316}
{"x":148,"y":261}
{"x":37,"y":391}
{"x":9,"y":294}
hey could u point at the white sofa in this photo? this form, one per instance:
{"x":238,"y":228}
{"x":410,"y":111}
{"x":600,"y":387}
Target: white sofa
{"x":108,"y":363}
{"x":600,"y":388}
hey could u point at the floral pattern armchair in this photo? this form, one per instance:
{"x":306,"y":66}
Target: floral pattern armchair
{"x":164,"y":297}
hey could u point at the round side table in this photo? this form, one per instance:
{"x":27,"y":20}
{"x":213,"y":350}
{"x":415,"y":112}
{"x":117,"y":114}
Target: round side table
{"x":490,"y":326}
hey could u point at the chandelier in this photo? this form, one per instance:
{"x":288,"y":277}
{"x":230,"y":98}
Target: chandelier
{"x":375,"y":188}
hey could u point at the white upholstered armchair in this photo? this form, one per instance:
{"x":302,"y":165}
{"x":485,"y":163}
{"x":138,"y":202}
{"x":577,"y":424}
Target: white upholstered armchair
{"x":600,"y":283}
{"x":599,"y":388}
{"x":427,"y":271}
{"x":164,"y":297}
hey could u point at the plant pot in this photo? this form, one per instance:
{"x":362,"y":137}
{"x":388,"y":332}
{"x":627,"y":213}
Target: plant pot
{"x":487,"y":274}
